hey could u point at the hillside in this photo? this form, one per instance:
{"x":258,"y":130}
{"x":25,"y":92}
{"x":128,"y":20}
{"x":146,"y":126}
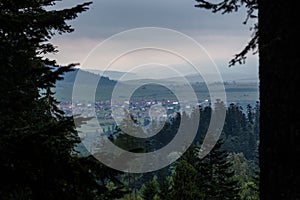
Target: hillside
{"x":64,"y":87}
{"x":241,"y":92}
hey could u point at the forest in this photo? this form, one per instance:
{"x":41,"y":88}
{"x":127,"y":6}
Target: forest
{"x":229,"y":171}
{"x":37,"y":141}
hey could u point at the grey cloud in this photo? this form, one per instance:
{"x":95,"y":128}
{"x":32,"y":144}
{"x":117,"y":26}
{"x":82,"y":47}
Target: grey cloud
{"x":107,"y":17}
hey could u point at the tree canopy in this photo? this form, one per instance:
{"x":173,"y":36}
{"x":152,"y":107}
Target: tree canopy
{"x":275,"y":34}
{"x":229,"y":6}
{"x":37,"y":140}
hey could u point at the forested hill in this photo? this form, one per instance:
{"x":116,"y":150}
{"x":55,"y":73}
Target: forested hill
{"x":88,"y":77}
{"x":242,"y":92}
{"x":64,"y":87}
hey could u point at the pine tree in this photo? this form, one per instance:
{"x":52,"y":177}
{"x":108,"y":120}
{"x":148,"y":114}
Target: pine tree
{"x":165,"y":186}
{"x":250,"y":114}
{"x":37,"y":140}
{"x":185,"y":182}
{"x":150,"y":189}
{"x":216,"y":176}
{"x":257,"y":120}
{"x":275,"y":35}
{"x":239,"y":131}
{"x":245,"y":174}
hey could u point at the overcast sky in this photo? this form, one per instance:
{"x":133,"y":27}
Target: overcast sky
{"x":222,"y":36}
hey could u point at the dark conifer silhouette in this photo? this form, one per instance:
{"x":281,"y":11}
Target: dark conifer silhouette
{"x":275,"y":34}
{"x":37,"y":141}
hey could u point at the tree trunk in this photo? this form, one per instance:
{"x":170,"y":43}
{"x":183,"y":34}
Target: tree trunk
{"x":278,"y":66}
